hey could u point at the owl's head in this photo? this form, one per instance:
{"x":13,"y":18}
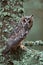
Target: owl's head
{"x":27,"y":21}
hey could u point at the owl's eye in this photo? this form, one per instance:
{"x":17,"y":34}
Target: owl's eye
{"x":24,"y":20}
{"x":30,"y":21}
{"x":28,"y":18}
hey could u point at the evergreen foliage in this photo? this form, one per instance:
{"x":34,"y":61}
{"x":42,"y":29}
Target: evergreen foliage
{"x":10,"y":12}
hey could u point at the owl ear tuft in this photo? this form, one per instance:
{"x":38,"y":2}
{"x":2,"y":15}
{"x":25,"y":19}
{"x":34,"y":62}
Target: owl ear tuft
{"x":22,"y":18}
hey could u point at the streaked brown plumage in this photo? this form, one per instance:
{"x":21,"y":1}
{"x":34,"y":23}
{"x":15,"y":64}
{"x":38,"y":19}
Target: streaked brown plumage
{"x":19,"y":33}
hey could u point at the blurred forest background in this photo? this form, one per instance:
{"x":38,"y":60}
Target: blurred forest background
{"x":10,"y":12}
{"x":35,"y":7}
